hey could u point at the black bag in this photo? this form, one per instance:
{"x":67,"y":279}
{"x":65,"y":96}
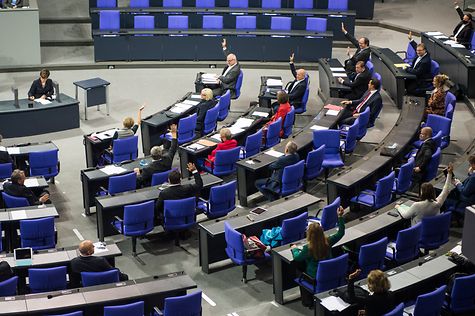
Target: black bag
{"x":360,"y":294}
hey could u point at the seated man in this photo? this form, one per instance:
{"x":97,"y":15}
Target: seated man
{"x":270,"y":187}
{"x":421,"y":67}
{"x":207,"y":103}
{"x":17,"y":188}
{"x":462,"y":33}
{"x":161,"y":160}
{"x":4,"y":156}
{"x":354,"y":108}
{"x":42,"y":87}
{"x":226,"y":143}
{"x":423,"y":156}
{"x":362,"y":53}
{"x":463,"y":194}
{"x":129,"y":128}
{"x":87,"y":262}
{"x":297,"y":88}
{"x":177,"y":191}
{"x":359,"y":84}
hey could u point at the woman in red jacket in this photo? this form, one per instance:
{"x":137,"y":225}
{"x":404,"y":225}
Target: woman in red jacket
{"x":284,"y":108}
{"x":226,"y":143}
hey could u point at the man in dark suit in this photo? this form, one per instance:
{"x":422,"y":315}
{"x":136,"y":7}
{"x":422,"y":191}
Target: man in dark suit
{"x":296,"y":89}
{"x":359,"y":84}
{"x":17,"y":188}
{"x":463,"y":194}
{"x":421,"y":67}
{"x":161,"y":160}
{"x":362,"y":53}
{"x":87,"y":262}
{"x":353,"y":108}
{"x":270,"y":187}
{"x":462,"y":33}
{"x":4,"y":156}
{"x":177,"y":191}
{"x":424,"y":155}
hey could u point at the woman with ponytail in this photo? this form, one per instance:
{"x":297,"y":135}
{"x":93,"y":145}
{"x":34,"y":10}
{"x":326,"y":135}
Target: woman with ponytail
{"x":436,"y":103}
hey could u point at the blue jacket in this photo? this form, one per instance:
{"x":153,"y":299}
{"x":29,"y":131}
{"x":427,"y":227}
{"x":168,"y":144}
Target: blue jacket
{"x":467,"y":190}
{"x":277,"y":167}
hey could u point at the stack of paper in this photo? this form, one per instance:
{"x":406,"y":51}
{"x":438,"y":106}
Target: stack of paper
{"x":111,"y":169}
{"x":440,"y":36}
{"x":217,"y":137}
{"x":332,"y":112}
{"x":450,"y":42}
{"x":43,"y":101}
{"x":274,"y":153}
{"x":13,"y":150}
{"x":339,"y":74}
{"x":261,"y":114}
{"x":31,"y":182}
{"x":457,"y":45}
{"x":434,"y":33}
{"x":337,"y":69}
{"x":318,"y":128}
{"x":333,"y":107}
{"x":274,"y":83}
{"x":190,"y":102}
{"x":402,"y":65}
{"x":195,"y":96}
{"x":195,"y":146}
{"x":180,"y":108}
{"x":18,"y":215}
{"x":243,"y":122}
{"x":209,"y":78}
{"x":334,"y":303}
{"x":235,"y":130}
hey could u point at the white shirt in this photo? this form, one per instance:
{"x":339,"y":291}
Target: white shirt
{"x":460,"y":30}
{"x":295,"y":84}
{"x":418,"y":60}
{"x":228,"y":69}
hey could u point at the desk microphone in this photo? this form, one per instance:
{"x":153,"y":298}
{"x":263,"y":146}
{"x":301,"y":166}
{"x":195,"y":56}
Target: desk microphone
{"x":50,"y":296}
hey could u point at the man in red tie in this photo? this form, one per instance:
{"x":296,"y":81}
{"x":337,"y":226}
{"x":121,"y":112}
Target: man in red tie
{"x":353,"y":108}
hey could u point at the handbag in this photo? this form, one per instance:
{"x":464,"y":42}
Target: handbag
{"x":254,"y":248}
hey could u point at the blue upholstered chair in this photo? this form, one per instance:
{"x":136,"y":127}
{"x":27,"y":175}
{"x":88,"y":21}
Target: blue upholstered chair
{"x":303,"y":4}
{"x":409,"y":54}
{"x":271,"y":4}
{"x":122,"y":150}
{"x":363,"y":122}
{"x":316,"y":25}
{"x":349,"y":141}
{"x":205,"y":4}
{"x":122,"y":183}
{"x":79,"y":313}
{"x":404,"y":178}
{"x":38,"y":233}
{"x":44,"y":163}
{"x":292,"y":178}
{"x":397,"y":311}
{"x":144,"y":22}
{"x":9,"y":287}
{"x":172,"y":3}
{"x":302,"y":107}
{"x":406,"y":247}
{"x":11,"y":201}
{"x":462,"y":296}
{"x":329,"y":217}
{"x":379,"y":197}
{"x":45,"y":280}
{"x":137,"y":222}
{"x":428,"y":304}
{"x":132,"y":309}
{"x":224,"y":104}
{"x":139,"y":3}
{"x":437,"y":123}
{"x":338,"y":5}
{"x":331,"y":140}
{"x":189,"y":305}
{"x":106,"y":3}
{"x":212,"y":22}
{"x":294,"y":228}
{"x":224,"y":162}
{"x":178,"y":22}
{"x":247,"y":22}
{"x":431,"y":170}
{"x":6,"y":170}
{"x":370,"y":67}
{"x":239,"y":4}
{"x":273,"y":134}
{"x":109,"y":20}
{"x":238,"y":86}
{"x":97,"y":278}
{"x":252,"y":146}
{"x":281,"y":23}
{"x":186,"y":130}
{"x":289,"y":122}
{"x":449,"y":111}
{"x":435,"y":231}
{"x":179,"y":215}
{"x":211,"y":120}
{"x":222,"y":200}
{"x":161,"y":177}
{"x":371,"y":256}
{"x":313,"y":163}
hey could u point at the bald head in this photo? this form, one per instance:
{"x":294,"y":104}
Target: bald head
{"x":231,"y":60}
{"x":426,"y":133}
{"x":301,"y":73}
{"x":86,"y":248}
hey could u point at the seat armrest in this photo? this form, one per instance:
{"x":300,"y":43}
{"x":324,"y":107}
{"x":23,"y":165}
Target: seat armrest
{"x":121,"y":221}
{"x":157,"y":311}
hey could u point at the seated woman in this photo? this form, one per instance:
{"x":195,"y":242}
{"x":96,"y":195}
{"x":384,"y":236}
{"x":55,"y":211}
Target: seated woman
{"x":283,"y":109}
{"x":226,"y":143}
{"x":429,"y":205}
{"x":318,"y":248}
{"x":207,"y":103}
{"x":380,"y":302}
{"x":42,"y":87}
{"x":436,"y":103}
{"x":129,"y":127}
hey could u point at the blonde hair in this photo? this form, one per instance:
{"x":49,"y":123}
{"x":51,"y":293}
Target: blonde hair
{"x":225,"y":133}
{"x":208,"y":93}
{"x":128,"y":122}
{"x":378,"y":282}
{"x":317,"y":242}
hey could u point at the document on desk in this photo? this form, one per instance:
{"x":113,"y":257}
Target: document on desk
{"x":332,"y":112}
{"x":318,"y":128}
{"x":195,"y":146}
{"x":2,"y":148}
{"x":13,"y":150}
{"x":457,"y":45}
{"x":260,"y":114}
{"x":217,"y":137}
{"x":43,"y":101}
{"x":31,"y":182}
{"x":274,"y":153}
{"x":190,"y":102}
{"x":195,"y":96}
{"x":207,"y":143}
{"x":440,"y":37}
{"x":105,"y":134}
{"x":17,"y":215}
{"x":333,"y":107}
{"x":434,"y":33}
{"x":337,"y":69}
{"x":340,"y":74}
{"x":180,"y":108}
{"x":99,"y":247}
{"x":274,"y":83}
{"x":209,"y":78}
{"x":235,"y":130}
{"x":402,"y":65}
{"x":243,"y":122}
{"x":450,"y":42}
{"x":112,"y":169}
{"x":334,"y":303}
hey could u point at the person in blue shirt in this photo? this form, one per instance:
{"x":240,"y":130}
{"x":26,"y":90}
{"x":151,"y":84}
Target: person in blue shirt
{"x":463,"y":194}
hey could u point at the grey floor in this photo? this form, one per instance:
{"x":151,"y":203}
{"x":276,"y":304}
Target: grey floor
{"x":158,"y":88}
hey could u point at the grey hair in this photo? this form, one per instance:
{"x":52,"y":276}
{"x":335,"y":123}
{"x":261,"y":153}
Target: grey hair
{"x":156,"y":152}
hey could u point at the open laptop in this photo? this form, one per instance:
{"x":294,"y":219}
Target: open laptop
{"x":23,"y":256}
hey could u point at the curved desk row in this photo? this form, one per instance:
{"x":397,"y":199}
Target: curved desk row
{"x":329,"y":85}
{"x":20,"y":153}
{"x":263,"y":45}
{"x":263,"y":18}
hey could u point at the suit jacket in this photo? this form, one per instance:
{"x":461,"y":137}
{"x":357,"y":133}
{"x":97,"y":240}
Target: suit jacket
{"x":5,"y":271}
{"x":37,"y":90}
{"x":360,"y":54}
{"x":423,"y":68}
{"x":228,"y":82}
{"x":8,"y":3}
{"x":277,"y":167}
{"x":5,"y":157}
{"x":424,"y":154}
{"x":21,"y":191}
{"x":465,"y":35}
{"x":161,"y":165}
{"x":178,"y":192}
{"x":375,"y":103}
{"x":466,"y":190}
{"x":90,"y":264}
{"x":359,"y":85}
{"x":202,"y":108}
{"x":296,"y":93}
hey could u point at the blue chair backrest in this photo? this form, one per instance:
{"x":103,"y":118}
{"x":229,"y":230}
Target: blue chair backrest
{"x":289,"y":122}
{"x":398,"y":311}
{"x":106,"y":3}
{"x":253,"y":144}
{"x":430,"y":304}
{"x":303,"y":4}
{"x":189,"y":305}
{"x":329,"y":215}
{"x":273,"y":133}
{"x":97,"y":278}
{"x":122,"y":183}
{"x":223,"y":105}
{"x":13,"y":201}
{"x":139,"y":3}
{"x":294,"y":228}
{"x":351,"y":137}
{"x":109,"y":20}
{"x":45,"y":280}
{"x":462,"y":297}
{"x":205,"y":3}
{"x":410,"y":53}
{"x":172,"y":3}
{"x":211,"y":120}
{"x":246,"y":22}
{"x":44,"y":163}
{"x":434,"y":68}
{"x":431,"y":170}
{"x":212,"y":22}
{"x":70,"y":314}
{"x":370,"y":67}
{"x":125,"y":149}
{"x":338,"y":5}
{"x":376,"y":75}
{"x":407,"y":244}
{"x":179,"y":214}
{"x":363,"y":121}
{"x":138,"y":218}
{"x":9,"y":287}
{"x":404,"y":177}
{"x":186,"y":129}
{"x":234,"y":245}
{"x":225,"y":161}
{"x":239,"y":85}
{"x":449,"y":111}
{"x":331,"y":273}
{"x":292,"y":178}
{"x":144,"y":22}
{"x":239,"y":3}
{"x":160,"y":177}
{"x":281,"y":23}
{"x":372,"y":256}
{"x":437,"y":139}
{"x":131,"y":309}
{"x":384,"y":188}
{"x":38,"y":233}
{"x":450,"y":99}
{"x":313,"y":163}
{"x":435,"y":231}
{"x":303,"y":106}
{"x":178,"y":22}
{"x":271,"y":4}
{"x":439,"y":123}
{"x":6,"y":170}
{"x":222,"y":199}
{"x":316,"y":24}
{"x":330,"y":138}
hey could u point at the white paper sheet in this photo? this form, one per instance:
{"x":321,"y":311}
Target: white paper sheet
{"x":105,"y":134}
{"x":235,"y":130}
{"x":195,"y":146}
{"x":457,"y":45}
{"x":274,"y":83}
{"x":31,"y":182}
{"x":274,"y":153}
{"x":13,"y":150}
{"x":195,"y":96}
{"x":111,"y":169}
{"x":333,"y":303}
{"x":318,"y":128}
{"x":450,"y":42}
{"x":43,"y":101}
{"x":337,"y":69}
{"x":18,"y":214}
{"x":217,"y":137}
{"x":261,"y":114}
{"x":342,"y":74}
{"x":191,"y":102}
{"x":99,"y":247}
{"x":332,"y":112}
{"x":434,"y":33}
{"x":2,"y":148}
{"x":457,"y":249}
{"x":440,"y":36}
{"x":243,"y":122}
{"x":209,"y":78}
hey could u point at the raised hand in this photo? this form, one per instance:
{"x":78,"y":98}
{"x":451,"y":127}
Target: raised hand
{"x":343,"y":29}
{"x":291,"y":59}
{"x":409,"y":36}
{"x":223,"y":43}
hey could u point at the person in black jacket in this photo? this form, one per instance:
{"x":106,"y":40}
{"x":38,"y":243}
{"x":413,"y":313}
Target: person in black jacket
{"x":359,"y":84}
{"x":42,"y":87}
{"x":207,"y":103}
{"x":4,"y":156}
{"x":297,"y":88}
{"x":87,"y":262}
{"x":17,"y":188}
{"x":424,"y":155}
{"x":177,"y":191}
{"x":462,"y":33}
{"x":362,"y":53}
{"x":161,"y":160}
{"x":6,"y":271}
{"x":421,"y":67}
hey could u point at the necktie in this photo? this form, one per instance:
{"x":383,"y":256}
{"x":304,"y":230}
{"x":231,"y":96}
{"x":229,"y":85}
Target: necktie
{"x":293,"y":86}
{"x":417,"y":60}
{"x":358,"y":108}
{"x":460,"y":30}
